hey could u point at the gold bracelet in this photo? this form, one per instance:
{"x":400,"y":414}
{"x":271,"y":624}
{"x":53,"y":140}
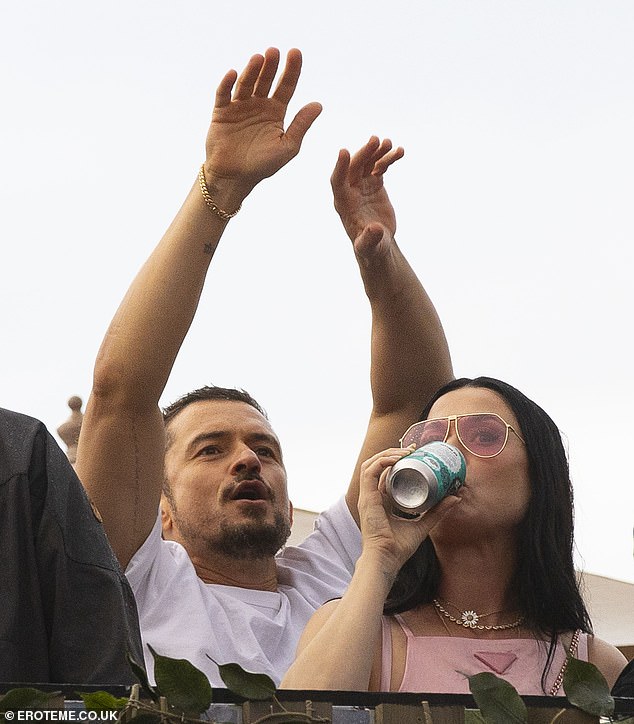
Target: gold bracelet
{"x":224,"y":215}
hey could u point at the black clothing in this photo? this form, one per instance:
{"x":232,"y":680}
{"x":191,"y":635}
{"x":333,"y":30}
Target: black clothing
{"x":67,"y":613}
{"x":624,"y":685}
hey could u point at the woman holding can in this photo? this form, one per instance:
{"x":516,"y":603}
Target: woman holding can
{"x":483,"y":581}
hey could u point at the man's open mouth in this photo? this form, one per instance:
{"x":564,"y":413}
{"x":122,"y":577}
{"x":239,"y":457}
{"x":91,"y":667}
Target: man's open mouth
{"x":251,"y":490}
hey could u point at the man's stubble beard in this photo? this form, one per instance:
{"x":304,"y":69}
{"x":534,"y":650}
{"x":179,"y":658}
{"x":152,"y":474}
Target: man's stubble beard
{"x":252,"y":540}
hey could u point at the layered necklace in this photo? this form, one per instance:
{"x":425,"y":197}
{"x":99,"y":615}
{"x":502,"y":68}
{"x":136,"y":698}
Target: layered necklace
{"x":471,"y":619}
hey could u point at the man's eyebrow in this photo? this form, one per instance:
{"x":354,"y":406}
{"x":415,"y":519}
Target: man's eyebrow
{"x":215,"y":435}
{"x":265,"y":437}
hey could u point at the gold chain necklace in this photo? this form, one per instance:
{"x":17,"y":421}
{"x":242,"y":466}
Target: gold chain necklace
{"x":469,"y":619}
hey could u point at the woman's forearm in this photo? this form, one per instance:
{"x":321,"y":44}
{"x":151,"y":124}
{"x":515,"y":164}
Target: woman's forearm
{"x":338,"y":646}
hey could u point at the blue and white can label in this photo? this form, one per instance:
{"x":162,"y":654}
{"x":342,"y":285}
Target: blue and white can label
{"x":419,"y":481}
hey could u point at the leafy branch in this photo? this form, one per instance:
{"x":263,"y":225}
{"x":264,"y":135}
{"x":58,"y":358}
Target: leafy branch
{"x":182,"y":694}
{"x":584,"y":685}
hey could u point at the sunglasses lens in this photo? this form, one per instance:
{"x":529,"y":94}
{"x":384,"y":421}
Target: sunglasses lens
{"x":482,"y":434}
{"x":425,"y":432}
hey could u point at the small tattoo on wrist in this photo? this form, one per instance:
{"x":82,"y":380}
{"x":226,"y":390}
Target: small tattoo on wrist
{"x":208,"y":248}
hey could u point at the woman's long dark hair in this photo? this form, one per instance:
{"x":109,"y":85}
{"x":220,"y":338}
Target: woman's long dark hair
{"x":545,"y":581}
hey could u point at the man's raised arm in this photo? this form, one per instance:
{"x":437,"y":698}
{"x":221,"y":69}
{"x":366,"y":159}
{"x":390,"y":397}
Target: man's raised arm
{"x":410,"y":356}
{"x":121,"y":448}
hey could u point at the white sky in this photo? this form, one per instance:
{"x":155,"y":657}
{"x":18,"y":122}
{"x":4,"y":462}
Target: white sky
{"x":513,"y":203}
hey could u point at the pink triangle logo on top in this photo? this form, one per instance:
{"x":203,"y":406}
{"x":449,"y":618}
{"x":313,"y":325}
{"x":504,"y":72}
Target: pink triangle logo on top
{"x":498,"y":662}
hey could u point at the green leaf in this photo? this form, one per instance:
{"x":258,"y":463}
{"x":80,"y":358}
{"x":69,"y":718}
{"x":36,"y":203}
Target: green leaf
{"x":498,"y":700}
{"x":473,"y":716}
{"x":26,"y":698}
{"x":141,"y":675}
{"x":245,"y":683}
{"x":102,"y":701}
{"x":587,"y":689}
{"x":18,"y":699}
{"x":184,"y":686}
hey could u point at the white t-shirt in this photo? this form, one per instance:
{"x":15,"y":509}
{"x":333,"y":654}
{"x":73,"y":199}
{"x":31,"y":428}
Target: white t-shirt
{"x":185,"y":618}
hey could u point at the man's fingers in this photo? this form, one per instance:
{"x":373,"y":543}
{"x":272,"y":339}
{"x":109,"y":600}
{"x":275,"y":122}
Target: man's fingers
{"x":364,"y":161}
{"x":223,"y":92}
{"x":301,"y":123}
{"x":384,"y":147}
{"x":374,"y":158}
{"x":382,"y":164}
{"x":290,"y":75}
{"x":267,"y":74}
{"x":360,"y":159}
{"x":340,"y":172}
{"x":248,"y":77}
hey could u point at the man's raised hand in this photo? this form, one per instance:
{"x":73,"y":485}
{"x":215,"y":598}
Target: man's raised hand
{"x":360,"y":197}
{"x":247,"y":141}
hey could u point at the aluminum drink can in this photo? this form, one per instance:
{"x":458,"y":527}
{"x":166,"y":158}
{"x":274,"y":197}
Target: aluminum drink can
{"x":419,"y":481}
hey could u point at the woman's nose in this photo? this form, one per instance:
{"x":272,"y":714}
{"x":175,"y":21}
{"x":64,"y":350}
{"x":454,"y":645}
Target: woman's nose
{"x":452,"y":435}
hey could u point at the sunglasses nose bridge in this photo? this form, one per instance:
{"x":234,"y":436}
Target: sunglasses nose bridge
{"x":453,"y":436}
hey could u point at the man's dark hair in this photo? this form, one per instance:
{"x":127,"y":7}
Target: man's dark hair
{"x":210,"y":392}
{"x":545,"y":580}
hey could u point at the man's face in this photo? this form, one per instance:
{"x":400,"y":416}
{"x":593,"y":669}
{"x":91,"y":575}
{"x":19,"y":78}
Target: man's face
{"x":227,"y":482}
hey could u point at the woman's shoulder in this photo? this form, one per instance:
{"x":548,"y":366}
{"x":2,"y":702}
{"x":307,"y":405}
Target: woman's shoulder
{"x":606,"y":657}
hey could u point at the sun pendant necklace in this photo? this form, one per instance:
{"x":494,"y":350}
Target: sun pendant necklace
{"x":470,"y":619}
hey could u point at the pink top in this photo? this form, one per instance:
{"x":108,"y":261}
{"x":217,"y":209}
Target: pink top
{"x":440,"y":664}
